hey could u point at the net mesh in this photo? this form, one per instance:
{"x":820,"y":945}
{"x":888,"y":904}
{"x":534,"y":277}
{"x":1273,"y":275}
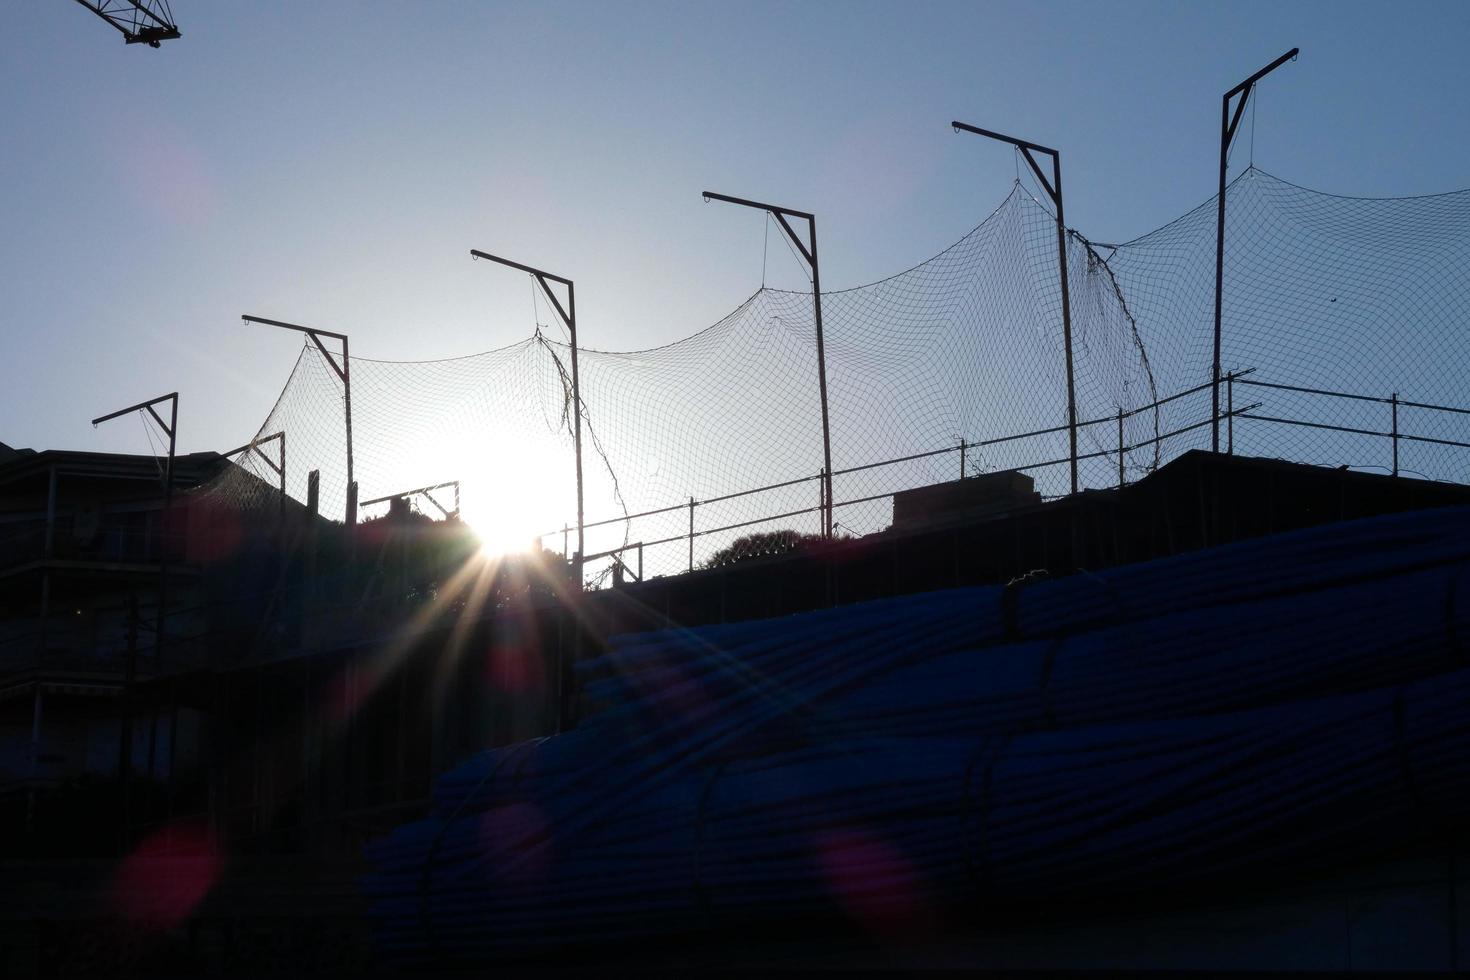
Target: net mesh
{"x":1354,"y":295}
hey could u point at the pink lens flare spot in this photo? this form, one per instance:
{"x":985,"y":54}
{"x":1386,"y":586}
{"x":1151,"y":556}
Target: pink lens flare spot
{"x":167,"y":875}
{"x":515,"y":669}
{"x":873,"y":882}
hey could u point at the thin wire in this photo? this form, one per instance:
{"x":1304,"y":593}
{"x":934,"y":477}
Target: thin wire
{"x":148,"y":431}
{"x":1254,"y":102}
{"x":535,"y":304}
{"x":765,"y":246}
{"x":800,"y":262}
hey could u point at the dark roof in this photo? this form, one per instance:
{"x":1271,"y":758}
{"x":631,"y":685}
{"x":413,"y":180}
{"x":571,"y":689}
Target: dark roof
{"x":191,"y":469}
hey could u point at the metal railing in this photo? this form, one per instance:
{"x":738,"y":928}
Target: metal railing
{"x":629,"y":557}
{"x":1394,"y":434}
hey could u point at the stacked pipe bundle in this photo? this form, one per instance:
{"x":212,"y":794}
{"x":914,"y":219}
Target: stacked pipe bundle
{"x":1268,"y":704}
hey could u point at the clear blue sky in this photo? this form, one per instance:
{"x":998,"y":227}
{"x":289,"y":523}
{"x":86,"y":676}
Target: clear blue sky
{"x":332,"y":163}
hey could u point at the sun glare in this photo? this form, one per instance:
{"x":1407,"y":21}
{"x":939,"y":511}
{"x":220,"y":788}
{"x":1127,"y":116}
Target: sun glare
{"x":509,"y":493}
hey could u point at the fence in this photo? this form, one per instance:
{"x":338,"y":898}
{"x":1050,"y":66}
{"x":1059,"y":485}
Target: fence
{"x":1256,"y":425}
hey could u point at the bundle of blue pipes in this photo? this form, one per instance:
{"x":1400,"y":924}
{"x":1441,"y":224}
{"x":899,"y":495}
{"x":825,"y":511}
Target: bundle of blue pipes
{"x":1293,"y":701}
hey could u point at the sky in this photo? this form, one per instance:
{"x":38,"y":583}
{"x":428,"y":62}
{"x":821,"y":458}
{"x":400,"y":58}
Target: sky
{"x":331,"y":164}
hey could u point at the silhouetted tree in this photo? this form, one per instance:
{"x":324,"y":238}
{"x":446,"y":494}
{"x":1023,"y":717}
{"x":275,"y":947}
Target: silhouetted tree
{"x":762,"y":544}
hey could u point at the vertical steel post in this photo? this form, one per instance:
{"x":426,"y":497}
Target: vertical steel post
{"x":1230,"y":410}
{"x":808,"y":250}
{"x":1121,"y":450}
{"x":691,"y":534}
{"x":170,"y":428}
{"x":1225,"y":135}
{"x":824,"y":502}
{"x":1228,"y":124}
{"x":1056,"y":161}
{"x":347,"y":413}
{"x":344,"y":373}
{"x":1053,"y":188}
{"x":168,"y":498}
{"x":283,"y":473}
{"x":962,"y":459}
{"x":569,"y":317}
{"x":822,"y":380}
{"x":1395,"y":405}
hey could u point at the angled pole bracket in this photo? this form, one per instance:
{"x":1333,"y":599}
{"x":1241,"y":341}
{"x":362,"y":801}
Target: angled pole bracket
{"x":808,"y":250}
{"x":1053,"y":188}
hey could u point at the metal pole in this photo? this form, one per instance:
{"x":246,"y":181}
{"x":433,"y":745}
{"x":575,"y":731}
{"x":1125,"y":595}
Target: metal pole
{"x":1228,"y":124}
{"x":347,"y":412}
{"x":1219,"y":273}
{"x":822,"y":381}
{"x":344,"y":372}
{"x":576,"y":426}
{"x":962,"y":459}
{"x":691,"y":534}
{"x":1230,"y":409}
{"x":569,"y":317}
{"x":1395,"y":403}
{"x":170,"y":428}
{"x":283,"y":473}
{"x":808,"y":252}
{"x":1066,"y":318}
{"x":1053,"y":188}
{"x":1121,"y":450}
{"x":168,"y":497}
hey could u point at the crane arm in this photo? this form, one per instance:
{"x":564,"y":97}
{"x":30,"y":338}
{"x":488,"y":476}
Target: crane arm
{"x":140,"y":21}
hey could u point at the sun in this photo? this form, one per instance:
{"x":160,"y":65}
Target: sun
{"x":525,"y":492}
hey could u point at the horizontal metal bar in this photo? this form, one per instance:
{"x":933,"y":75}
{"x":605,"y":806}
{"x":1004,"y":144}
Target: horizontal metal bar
{"x":1238,"y":413}
{"x":629,"y":517}
{"x":1235,"y":375}
{"x":477,"y":254}
{"x":1361,"y":398}
{"x":258,"y":442}
{"x":1024,"y":144}
{"x":1434,"y":408}
{"x":1024,"y":435}
{"x":1320,"y":391}
{"x":901,"y":459}
{"x":626,"y":547}
{"x":1319,"y":425}
{"x":746,"y":493}
{"x":712,"y":196}
{"x":1262,"y":73}
{"x":134,"y":408}
{"x":758,"y":520}
{"x":1359,"y":432}
{"x":292,"y":326}
{"x":408,"y":493}
{"x":1437,"y":442}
